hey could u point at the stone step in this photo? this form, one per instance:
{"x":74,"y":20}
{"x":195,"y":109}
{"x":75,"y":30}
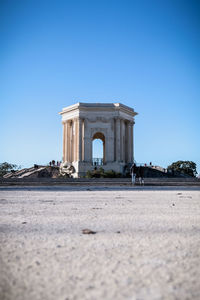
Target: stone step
{"x":99,"y":181}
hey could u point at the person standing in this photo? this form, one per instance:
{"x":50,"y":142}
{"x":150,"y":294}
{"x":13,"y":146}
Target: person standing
{"x":141,"y":175}
{"x":133,"y":173}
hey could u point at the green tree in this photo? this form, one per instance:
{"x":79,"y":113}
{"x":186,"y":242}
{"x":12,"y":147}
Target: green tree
{"x":185,"y":167}
{"x":6,"y":167}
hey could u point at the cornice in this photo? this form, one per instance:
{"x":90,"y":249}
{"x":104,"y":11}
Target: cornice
{"x":80,"y":106}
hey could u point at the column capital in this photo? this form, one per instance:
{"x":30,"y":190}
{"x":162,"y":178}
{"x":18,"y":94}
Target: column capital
{"x":67,"y":121}
{"x":130,"y":123}
{"x":78,"y":118}
{"x":117,"y":119}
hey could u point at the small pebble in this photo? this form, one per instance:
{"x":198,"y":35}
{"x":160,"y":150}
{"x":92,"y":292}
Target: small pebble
{"x":88,"y":231}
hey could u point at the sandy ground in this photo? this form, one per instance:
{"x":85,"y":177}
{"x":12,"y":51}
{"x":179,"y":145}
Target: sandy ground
{"x":147,"y":244}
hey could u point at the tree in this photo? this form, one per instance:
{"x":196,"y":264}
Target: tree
{"x":185,"y":167}
{"x":6,"y":167}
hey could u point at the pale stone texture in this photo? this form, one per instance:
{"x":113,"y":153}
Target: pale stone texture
{"x":147,"y":244}
{"x":111,"y":122}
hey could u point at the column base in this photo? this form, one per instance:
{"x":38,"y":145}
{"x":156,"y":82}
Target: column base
{"x":82,"y":167}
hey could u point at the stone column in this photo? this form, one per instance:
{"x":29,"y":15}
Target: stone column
{"x":75,"y":139}
{"x":129,"y":143}
{"x":114,"y":136}
{"x":83,"y":136}
{"x":109,"y":141}
{"x":80,"y":139}
{"x":121,"y":140}
{"x":68,"y":141}
{"x":71,"y":141}
{"x":64,"y":141}
{"x":132,"y":141}
{"x":87,"y":142}
{"x":117,"y":139}
{"x":123,"y":149}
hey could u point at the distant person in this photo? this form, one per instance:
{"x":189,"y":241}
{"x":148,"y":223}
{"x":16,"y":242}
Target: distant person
{"x":141,"y":175}
{"x":133,"y":171}
{"x":50,"y":163}
{"x":53,"y":163}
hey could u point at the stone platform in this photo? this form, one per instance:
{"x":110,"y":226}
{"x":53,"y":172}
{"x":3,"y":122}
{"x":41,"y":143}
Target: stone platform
{"x":98,"y":182}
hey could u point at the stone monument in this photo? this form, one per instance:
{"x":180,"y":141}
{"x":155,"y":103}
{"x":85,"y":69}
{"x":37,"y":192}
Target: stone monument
{"x":110,"y":122}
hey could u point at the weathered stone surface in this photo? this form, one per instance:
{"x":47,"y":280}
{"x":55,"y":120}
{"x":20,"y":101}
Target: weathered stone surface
{"x":155,"y":256}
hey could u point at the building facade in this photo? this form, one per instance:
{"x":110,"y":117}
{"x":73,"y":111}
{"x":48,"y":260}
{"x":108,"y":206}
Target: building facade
{"x":112,"y":123}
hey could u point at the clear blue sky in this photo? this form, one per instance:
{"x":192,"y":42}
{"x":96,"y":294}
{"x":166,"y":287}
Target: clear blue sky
{"x":144,"y":54}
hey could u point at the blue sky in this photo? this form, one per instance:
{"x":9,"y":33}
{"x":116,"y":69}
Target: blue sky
{"x":144,"y":54}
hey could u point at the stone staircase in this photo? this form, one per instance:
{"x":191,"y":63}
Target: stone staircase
{"x":33,"y":172}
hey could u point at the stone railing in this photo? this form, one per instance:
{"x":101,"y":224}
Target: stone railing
{"x":97,"y":161}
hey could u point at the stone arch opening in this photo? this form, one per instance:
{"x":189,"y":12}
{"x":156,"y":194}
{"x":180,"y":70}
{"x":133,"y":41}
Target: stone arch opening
{"x":98,"y":141}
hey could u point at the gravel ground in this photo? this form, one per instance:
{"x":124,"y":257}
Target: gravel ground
{"x":146,"y":246}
